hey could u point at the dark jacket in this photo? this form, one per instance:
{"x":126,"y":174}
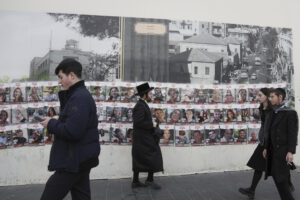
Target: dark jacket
{"x":76,"y":144}
{"x":146,"y":153}
{"x":257,"y":161}
{"x":281,"y":139}
{"x":266,"y":116}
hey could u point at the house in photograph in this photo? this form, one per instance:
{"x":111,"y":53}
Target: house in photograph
{"x":204,"y":41}
{"x":241,"y":34}
{"x":196,"y":66}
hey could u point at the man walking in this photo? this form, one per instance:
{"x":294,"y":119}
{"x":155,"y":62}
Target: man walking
{"x":146,"y":154}
{"x":76,"y":148}
{"x":280,"y":143}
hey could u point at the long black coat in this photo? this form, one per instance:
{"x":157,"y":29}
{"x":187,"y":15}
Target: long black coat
{"x":282,"y":138}
{"x":257,"y":161}
{"x":146,"y":153}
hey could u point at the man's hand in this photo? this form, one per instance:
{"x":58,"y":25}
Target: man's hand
{"x":154,"y":124}
{"x":45,"y":122}
{"x":265,"y":153}
{"x":289,"y":157}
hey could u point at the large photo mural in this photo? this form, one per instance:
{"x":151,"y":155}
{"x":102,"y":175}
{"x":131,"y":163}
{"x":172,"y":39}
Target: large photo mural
{"x":206,"y":75}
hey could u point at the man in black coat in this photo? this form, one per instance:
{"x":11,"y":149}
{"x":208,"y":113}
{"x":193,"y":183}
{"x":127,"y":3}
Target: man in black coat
{"x":76,"y":148}
{"x":280,"y":143}
{"x":146,"y":153}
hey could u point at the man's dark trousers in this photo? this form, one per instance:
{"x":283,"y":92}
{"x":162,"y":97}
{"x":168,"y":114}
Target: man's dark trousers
{"x":60,"y":183}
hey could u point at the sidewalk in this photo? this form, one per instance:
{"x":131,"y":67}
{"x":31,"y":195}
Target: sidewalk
{"x":212,"y":186}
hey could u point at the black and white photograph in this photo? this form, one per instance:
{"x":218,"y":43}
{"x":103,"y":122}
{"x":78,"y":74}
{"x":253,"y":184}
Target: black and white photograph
{"x":197,"y":135}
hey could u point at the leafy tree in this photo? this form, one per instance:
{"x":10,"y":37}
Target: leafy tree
{"x":90,"y":25}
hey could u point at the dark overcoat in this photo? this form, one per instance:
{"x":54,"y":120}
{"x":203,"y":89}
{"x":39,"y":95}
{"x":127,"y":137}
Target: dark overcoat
{"x":146,"y":153}
{"x":257,"y":161}
{"x":281,"y":139}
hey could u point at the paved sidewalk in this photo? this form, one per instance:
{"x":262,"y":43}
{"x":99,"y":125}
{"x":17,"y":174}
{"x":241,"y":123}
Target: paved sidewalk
{"x":211,"y":186}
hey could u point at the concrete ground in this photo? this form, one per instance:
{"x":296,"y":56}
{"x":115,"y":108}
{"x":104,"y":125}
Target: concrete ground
{"x":210,"y":186}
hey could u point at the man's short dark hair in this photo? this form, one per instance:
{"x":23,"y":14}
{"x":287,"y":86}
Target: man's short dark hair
{"x":69,"y":65}
{"x":278,"y":92}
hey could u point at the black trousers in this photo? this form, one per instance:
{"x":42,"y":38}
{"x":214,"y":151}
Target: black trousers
{"x":60,"y":183}
{"x":284,"y":190}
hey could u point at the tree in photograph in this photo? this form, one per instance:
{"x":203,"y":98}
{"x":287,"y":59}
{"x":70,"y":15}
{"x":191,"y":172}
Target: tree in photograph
{"x":101,"y":67}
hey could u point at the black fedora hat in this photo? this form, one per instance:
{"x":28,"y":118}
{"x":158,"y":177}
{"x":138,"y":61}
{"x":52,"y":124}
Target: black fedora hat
{"x":143,"y":89}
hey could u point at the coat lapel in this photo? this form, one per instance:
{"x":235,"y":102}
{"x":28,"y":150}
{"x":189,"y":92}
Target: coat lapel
{"x":278,"y":118}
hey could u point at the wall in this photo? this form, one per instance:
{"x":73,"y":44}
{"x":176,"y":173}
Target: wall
{"x":29,"y":165}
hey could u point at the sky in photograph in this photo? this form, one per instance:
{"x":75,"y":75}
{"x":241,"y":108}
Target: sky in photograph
{"x":24,"y":36}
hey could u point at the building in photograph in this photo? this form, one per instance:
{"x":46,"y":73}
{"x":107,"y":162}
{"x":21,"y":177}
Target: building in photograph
{"x":196,"y":66}
{"x":204,"y":41}
{"x":241,"y":34}
{"x":43,"y":68}
{"x":145,"y":50}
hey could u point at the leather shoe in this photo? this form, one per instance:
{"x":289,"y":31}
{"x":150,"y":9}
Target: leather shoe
{"x":247,"y":191}
{"x":137,"y":185}
{"x":153,"y":185}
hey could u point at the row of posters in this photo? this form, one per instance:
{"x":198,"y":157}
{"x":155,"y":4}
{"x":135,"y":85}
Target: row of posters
{"x":121,"y":134}
{"x":15,"y":93}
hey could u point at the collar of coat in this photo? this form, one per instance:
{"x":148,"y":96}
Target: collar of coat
{"x":64,"y":95}
{"x":281,"y":107}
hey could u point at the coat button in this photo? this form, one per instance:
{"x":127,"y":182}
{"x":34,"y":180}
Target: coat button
{"x":277,"y":146}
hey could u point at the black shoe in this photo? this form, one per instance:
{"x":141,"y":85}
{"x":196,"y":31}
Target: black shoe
{"x":137,"y":185}
{"x":247,"y":191}
{"x":153,"y":185}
